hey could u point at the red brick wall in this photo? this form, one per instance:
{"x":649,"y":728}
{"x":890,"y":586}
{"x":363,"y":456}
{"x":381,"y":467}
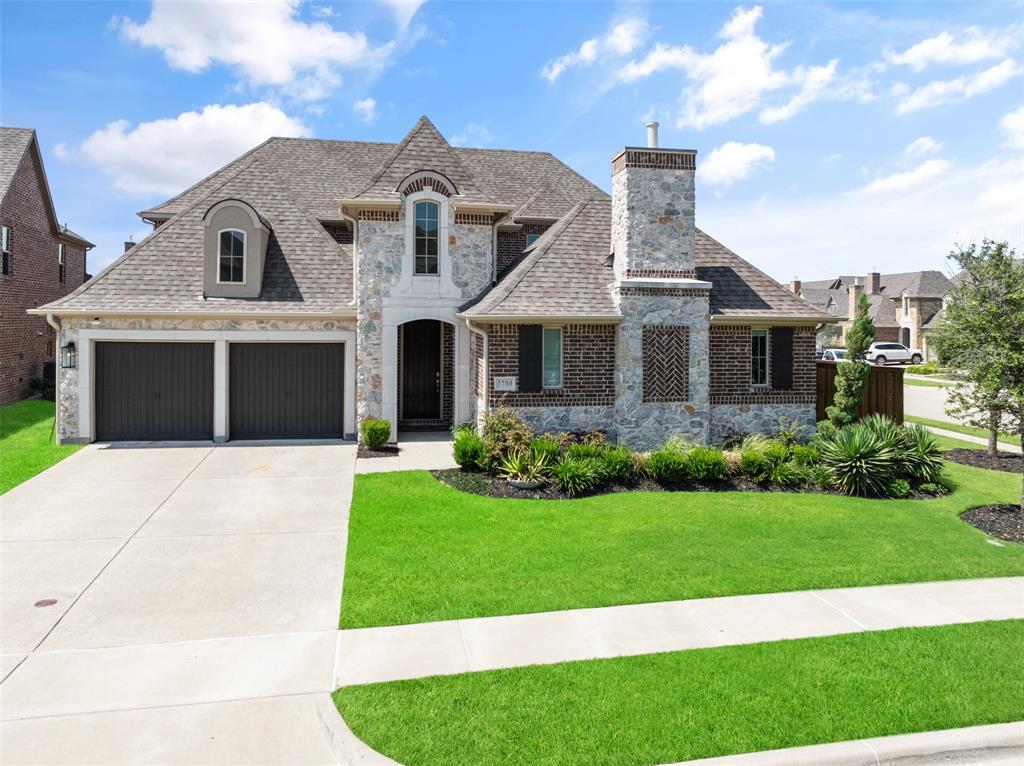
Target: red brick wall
{"x":26,"y":342}
{"x":588,"y":367}
{"x":511,"y":244}
{"x":730,"y":368}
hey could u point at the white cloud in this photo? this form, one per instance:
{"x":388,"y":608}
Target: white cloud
{"x":738,"y":75}
{"x":366,"y":110}
{"x":732,"y":162}
{"x":404,"y":10}
{"x":474,"y":134}
{"x":907,"y":179}
{"x":1013,"y":125}
{"x":264,"y":42}
{"x":165,"y":156}
{"x":939,"y":92}
{"x":922,"y":146}
{"x":620,"y":40}
{"x":817,"y":235}
{"x":969,"y":47}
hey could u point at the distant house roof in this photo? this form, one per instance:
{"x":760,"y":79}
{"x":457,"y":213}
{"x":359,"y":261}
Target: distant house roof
{"x":14,"y":144}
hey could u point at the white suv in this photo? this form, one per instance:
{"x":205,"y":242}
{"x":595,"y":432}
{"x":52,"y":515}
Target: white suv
{"x":883,"y":353}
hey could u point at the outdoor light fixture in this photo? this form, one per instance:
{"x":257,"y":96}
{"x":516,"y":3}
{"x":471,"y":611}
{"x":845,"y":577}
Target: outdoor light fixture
{"x":68,"y":355}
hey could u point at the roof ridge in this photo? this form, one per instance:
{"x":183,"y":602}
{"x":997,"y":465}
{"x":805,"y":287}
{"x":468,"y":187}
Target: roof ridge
{"x":535,"y":255}
{"x":173,"y":220}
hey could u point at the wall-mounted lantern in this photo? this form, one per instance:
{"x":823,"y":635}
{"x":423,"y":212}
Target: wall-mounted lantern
{"x":68,"y":355}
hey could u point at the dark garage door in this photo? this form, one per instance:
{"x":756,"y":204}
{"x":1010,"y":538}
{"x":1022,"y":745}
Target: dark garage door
{"x":286,"y":390}
{"x":150,"y":391}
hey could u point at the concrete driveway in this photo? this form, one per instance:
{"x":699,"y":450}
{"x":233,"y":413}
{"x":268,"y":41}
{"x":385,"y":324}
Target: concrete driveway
{"x":174,"y":604}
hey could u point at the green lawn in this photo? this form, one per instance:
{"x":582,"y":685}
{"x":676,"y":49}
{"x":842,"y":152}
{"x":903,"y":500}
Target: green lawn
{"x":970,"y":430}
{"x":925,"y":383}
{"x":26,"y":445}
{"x":420,"y":551}
{"x":670,"y":707}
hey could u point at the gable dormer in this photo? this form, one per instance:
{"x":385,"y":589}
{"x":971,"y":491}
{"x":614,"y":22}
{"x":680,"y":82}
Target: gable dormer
{"x":235,"y":241}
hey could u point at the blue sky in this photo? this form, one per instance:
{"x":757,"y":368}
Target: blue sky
{"x":831,"y":138}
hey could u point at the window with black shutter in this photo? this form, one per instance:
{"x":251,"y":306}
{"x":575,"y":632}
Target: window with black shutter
{"x":531,"y":356}
{"x":782,"y":358}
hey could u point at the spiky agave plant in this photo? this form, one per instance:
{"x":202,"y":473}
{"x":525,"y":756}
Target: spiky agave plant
{"x":860,"y":461}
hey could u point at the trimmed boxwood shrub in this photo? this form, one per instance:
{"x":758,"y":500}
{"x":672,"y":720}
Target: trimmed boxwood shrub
{"x":376,"y":432}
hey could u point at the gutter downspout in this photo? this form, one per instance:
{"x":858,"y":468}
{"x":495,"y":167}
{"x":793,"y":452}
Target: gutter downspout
{"x":486,"y":382}
{"x":56,"y":371}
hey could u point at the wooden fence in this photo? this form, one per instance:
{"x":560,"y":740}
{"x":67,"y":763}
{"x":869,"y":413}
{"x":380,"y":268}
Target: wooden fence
{"x":884,"y":391}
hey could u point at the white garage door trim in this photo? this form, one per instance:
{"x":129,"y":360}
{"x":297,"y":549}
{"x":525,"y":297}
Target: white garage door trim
{"x":220,"y":338}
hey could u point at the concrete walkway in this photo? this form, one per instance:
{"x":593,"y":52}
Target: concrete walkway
{"x":175,"y":604}
{"x":370,"y":655}
{"x":420,"y":451}
{"x":1003,"y":446}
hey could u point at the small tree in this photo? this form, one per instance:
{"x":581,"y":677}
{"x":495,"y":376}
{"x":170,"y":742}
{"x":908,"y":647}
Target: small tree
{"x":852,"y":375}
{"x":982,"y":334}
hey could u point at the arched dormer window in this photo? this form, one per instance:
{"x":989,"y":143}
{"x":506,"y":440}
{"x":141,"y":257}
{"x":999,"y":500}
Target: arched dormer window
{"x":231,"y":256}
{"x":425,"y":247}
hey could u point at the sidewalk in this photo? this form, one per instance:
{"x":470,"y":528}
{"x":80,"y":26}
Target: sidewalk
{"x":371,"y":655}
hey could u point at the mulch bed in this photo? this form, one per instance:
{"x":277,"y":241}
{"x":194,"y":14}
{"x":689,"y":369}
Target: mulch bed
{"x":480,"y":483}
{"x":388,"y":450}
{"x":979,"y":458}
{"x":1005,"y":522}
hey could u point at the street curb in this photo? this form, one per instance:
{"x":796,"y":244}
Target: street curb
{"x":994,"y":743}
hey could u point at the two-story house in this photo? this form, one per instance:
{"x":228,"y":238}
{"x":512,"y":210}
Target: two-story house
{"x":40,"y":261}
{"x":311,"y":283}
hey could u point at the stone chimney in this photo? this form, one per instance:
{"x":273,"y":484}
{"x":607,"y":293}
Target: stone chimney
{"x":855,"y":290}
{"x":662,"y":381}
{"x":795,"y":285}
{"x":874,"y":283}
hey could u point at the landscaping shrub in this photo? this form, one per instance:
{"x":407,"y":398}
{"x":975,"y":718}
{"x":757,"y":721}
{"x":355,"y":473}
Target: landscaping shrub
{"x":574,"y":476}
{"x":859,"y":460}
{"x":923,"y":460}
{"x":666,"y":465}
{"x":898,"y":488}
{"x":469,"y":448}
{"x":585,"y":450}
{"x":618,"y":464}
{"x":805,"y":455}
{"x":504,"y":430}
{"x":705,"y":463}
{"x":376,"y":432}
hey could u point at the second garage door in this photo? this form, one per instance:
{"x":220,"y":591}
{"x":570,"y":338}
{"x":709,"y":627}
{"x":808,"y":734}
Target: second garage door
{"x":286,"y":390}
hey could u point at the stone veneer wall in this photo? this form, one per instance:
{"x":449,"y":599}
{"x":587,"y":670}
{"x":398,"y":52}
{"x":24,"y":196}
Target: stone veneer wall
{"x":646,"y":425}
{"x":737,"y":406}
{"x":67,"y":388}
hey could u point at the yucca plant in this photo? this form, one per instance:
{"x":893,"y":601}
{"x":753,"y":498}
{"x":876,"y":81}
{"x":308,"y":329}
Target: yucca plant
{"x":860,"y":461}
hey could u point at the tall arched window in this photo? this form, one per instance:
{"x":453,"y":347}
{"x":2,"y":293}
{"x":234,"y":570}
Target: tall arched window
{"x":426,"y":237}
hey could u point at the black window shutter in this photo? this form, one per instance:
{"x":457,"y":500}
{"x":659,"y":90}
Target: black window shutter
{"x":531,"y":349}
{"x":782,"y":358}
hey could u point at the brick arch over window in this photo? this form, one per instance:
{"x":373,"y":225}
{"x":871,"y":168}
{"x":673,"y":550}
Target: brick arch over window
{"x":422,"y":179}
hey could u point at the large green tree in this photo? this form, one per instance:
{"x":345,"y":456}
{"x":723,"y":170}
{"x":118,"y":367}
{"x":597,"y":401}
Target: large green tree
{"x":982,"y":334}
{"x":852,"y":375}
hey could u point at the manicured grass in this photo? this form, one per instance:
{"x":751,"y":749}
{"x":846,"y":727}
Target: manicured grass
{"x":26,"y":446}
{"x":420,"y":551}
{"x":960,"y":429}
{"x":926,"y":383}
{"x":670,"y":707}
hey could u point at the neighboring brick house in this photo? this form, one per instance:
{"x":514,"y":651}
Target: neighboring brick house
{"x":310,"y":284}
{"x":901,"y":305}
{"x":40,"y":261}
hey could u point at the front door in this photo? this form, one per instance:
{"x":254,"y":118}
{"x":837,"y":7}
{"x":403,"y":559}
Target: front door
{"x":421,"y":370}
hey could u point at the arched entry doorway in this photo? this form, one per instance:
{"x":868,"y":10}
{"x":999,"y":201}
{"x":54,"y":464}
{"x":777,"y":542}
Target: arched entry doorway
{"x":425,"y":375}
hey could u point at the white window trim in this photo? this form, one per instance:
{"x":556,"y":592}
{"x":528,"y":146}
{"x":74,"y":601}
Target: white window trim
{"x":561,"y":357}
{"x":245,"y":256}
{"x":416,"y":274}
{"x":767,"y":357}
